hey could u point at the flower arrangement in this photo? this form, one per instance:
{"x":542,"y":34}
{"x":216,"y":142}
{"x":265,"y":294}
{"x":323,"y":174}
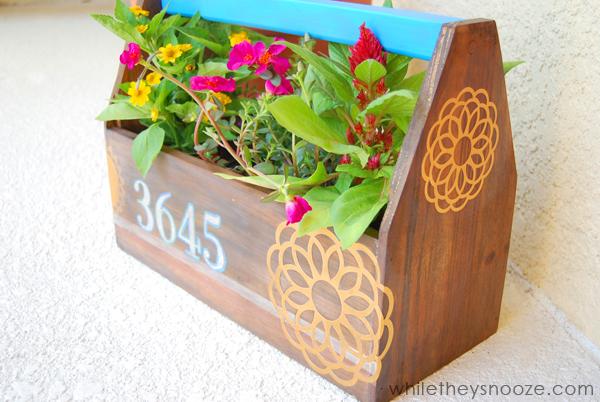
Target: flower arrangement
{"x":321,"y":132}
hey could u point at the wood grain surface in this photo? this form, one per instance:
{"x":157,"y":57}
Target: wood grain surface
{"x":431,"y":282}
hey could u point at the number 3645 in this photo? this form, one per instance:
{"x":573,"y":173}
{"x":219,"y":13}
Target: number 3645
{"x":159,"y":216}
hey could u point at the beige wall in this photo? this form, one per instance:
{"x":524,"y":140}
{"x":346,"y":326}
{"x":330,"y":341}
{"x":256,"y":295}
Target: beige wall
{"x":555,"y":110}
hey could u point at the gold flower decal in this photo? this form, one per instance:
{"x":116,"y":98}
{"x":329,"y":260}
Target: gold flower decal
{"x":460,"y":150}
{"x":331,"y":304}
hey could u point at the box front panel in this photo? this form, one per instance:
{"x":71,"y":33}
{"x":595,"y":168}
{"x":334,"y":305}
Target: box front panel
{"x":325,"y":306}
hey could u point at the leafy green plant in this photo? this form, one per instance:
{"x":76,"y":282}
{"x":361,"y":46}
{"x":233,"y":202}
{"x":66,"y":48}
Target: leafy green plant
{"x":322,"y":133}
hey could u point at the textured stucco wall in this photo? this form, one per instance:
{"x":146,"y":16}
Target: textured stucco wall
{"x":555,"y":111}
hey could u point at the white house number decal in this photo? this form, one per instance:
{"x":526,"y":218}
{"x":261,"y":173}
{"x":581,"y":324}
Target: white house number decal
{"x":159,"y":216}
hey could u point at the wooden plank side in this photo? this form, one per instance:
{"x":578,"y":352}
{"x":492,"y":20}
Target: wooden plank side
{"x":247,"y":233}
{"x":445,"y":237}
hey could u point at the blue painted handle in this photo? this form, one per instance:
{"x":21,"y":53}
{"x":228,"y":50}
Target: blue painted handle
{"x":400,"y":31}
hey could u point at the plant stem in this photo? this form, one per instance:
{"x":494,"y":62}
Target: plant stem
{"x":199,"y":153}
{"x":225,"y":144}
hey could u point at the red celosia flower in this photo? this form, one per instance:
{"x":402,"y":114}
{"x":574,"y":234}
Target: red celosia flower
{"x":387,"y":139}
{"x":371,"y":120}
{"x":215,"y":84}
{"x":367,"y":47}
{"x":284,"y":87}
{"x":131,"y":55}
{"x":350,"y":136}
{"x":296,"y":208}
{"x":374,"y":162}
{"x":345,"y":160}
{"x":363,"y":100}
{"x":358,"y":128}
{"x":381,"y":88}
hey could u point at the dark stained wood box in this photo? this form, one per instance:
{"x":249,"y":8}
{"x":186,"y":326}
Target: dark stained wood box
{"x":390,"y":310}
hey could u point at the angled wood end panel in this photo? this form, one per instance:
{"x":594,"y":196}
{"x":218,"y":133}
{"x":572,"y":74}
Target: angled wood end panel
{"x":445,"y":237}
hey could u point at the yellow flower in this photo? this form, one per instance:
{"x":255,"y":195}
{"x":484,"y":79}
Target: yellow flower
{"x":137,"y":10}
{"x":153,"y":79}
{"x":223,"y":99}
{"x":142,"y":28}
{"x":154,"y":114}
{"x":237,"y":38}
{"x":184,"y":47}
{"x":190,"y":67}
{"x":169,"y":53}
{"x":139,"y":95}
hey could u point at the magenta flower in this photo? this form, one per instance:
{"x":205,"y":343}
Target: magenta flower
{"x":296,"y":208}
{"x":374,"y":162}
{"x":131,"y":55}
{"x":215,"y":84}
{"x":280,"y":65}
{"x":269,"y":57}
{"x":284,"y":87}
{"x":244,"y":54}
{"x":345,"y":160}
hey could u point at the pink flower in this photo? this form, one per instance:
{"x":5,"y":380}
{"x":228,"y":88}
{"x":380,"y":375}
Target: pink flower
{"x":244,"y":54}
{"x":296,"y":208}
{"x":215,"y":84}
{"x":284,"y":87}
{"x":131,"y":55}
{"x":345,"y":160}
{"x":269,"y":57}
{"x":280,"y":64}
{"x":374,"y":162}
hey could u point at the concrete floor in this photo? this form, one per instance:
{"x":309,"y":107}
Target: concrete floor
{"x":80,"y":320}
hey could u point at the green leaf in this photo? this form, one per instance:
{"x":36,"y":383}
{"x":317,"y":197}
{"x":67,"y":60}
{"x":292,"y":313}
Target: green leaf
{"x":123,"y":13}
{"x":193,"y":21}
{"x":265,"y":167}
{"x":355,"y":170}
{"x":295,"y":115}
{"x":194,"y":33}
{"x":388,"y":3}
{"x":146,"y":147}
{"x":322,"y":103}
{"x":123,"y":30}
{"x":275,"y":182}
{"x":403,"y":123}
{"x":509,"y":65}
{"x":187,"y":112}
{"x":386,"y":171}
{"x":339,"y":55}
{"x":168,"y":23}
{"x":397,"y":66}
{"x":370,"y":71}
{"x":156,"y":22}
{"x":212,"y":68}
{"x":343,"y":182}
{"x":320,"y":199}
{"x":355,"y":209}
{"x":400,"y":103}
{"x":325,"y":67}
{"x":123,"y":111}
{"x":414,"y":82}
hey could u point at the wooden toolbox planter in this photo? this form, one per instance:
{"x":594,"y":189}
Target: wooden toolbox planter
{"x":391,"y":309}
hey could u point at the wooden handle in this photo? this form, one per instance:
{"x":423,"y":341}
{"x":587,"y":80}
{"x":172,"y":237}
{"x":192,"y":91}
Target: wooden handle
{"x":400,"y":31}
